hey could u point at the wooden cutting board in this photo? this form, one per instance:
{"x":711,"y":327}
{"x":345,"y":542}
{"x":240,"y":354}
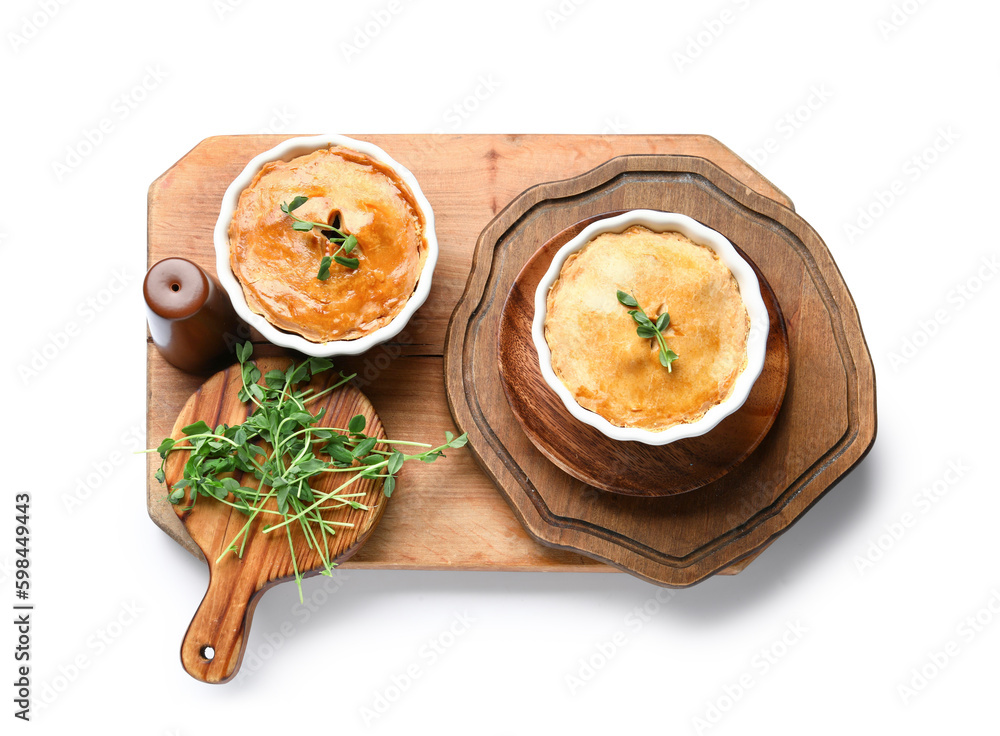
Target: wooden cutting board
{"x":448,"y":515}
{"x":215,"y":641}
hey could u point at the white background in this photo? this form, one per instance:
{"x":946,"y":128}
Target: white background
{"x":869,"y":85}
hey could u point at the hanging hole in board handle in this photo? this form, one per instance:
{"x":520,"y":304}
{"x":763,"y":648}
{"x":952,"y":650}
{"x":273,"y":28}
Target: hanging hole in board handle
{"x":207,"y":653}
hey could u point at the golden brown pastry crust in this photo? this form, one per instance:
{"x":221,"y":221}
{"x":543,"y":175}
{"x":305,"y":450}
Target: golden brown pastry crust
{"x":277,"y":265}
{"x":615,"y":373}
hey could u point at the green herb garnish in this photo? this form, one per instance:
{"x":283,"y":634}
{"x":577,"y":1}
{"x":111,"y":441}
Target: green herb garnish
{"x":335,"y":236}
{"x":650,"y":328}
{"x":281,"y":446}
{"x":324,"y":268}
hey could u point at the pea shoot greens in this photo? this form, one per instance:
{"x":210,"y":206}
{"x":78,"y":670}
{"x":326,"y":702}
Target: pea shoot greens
{"x":649,"y":328}
{"x":334,"y":235}
{"x":282,"y":446}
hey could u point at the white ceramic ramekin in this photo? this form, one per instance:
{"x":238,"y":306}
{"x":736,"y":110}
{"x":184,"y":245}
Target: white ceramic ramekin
{"x":286,"y":151}
{"x":749,"y":291}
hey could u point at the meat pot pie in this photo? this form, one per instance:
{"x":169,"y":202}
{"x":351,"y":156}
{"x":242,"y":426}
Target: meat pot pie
{"x":615,"y":373}
{"x":277,"y":266}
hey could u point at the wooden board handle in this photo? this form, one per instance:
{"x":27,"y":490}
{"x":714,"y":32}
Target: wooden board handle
{"x":213,"y":645}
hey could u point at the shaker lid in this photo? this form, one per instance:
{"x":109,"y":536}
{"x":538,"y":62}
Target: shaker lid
{"x":175,"y":288}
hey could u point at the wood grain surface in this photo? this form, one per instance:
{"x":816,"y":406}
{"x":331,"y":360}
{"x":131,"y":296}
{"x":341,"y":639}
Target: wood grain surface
{"x":448,"y":515}
{"x":631,"y":468}
{"x":214,"y":643}
{"x":825,"y":426}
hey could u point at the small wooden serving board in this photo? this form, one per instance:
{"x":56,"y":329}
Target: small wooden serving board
{"x":214,"y":644}
{"x":448,"y":515}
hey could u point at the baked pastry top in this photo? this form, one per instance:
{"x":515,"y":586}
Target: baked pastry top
{"x":277,"y":266}
{"x":617,"y":374}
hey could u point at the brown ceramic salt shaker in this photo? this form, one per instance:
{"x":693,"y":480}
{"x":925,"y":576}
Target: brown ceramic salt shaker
{"x":190,"y":317}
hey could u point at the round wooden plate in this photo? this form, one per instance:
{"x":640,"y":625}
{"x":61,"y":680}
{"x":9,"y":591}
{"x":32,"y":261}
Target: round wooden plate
{"x":629,"y":468}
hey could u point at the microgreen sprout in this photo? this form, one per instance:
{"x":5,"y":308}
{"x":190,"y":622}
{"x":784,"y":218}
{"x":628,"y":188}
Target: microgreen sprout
{"x":649,"y":328}
{"x":334,"y":235}
{"x":282,"y":445}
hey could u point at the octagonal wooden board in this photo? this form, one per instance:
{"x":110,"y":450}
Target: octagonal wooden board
{"x":449,"y":515}
{"x":825,"y":426}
